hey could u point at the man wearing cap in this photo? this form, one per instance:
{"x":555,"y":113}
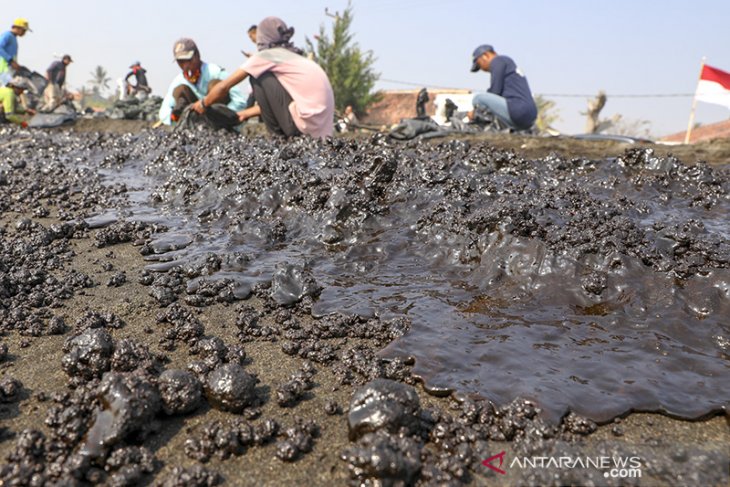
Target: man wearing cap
{"x":252,"y":36}
{"x":141,"y":88}
{"x":509,"y":96}
{"x":10,"y":109}
{"x":9,"y":46}
{"x":293,"y":93}
{"x":56,"y":76}
{"x":193,"y":83}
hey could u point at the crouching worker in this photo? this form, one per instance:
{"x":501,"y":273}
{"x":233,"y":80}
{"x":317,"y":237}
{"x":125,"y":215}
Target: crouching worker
{"x":11,"y":111}
{"x":293,"y":94}
{"x":196,"y":79}
{"x":509,"y":96}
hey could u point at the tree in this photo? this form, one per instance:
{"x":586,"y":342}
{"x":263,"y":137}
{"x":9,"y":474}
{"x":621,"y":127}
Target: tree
{"x":593,"y":124}
{"x":547,"y":114}
{"x":349,"y":69}
{"x":630,"y":127}
{"x":99,"y":80}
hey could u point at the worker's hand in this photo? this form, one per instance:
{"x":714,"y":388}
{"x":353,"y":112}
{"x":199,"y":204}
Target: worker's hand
{"x":30,"y":111}
{"x":198,"y":107}
{"x":15,"y":65}
{"x":470,"y":115}
{"x":249,"y":112}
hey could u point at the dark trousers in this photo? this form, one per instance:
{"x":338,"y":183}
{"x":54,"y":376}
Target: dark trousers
{"x":184,"y":96}
{"x":218,"y":115}
{"x":274,"y":101}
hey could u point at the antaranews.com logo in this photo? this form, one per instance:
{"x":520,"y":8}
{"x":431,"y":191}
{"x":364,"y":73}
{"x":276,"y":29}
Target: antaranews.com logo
{"x":617,"y":467}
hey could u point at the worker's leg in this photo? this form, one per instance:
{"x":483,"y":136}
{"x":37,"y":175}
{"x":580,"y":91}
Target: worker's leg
{"x":218,"y":114}
{"x":6,"y":72}
{"x":274,"y":101}
{"x":183,"y":96}
{"x":52,"y":97}
{"x":226,"y":98}
{"x":495,"y":104}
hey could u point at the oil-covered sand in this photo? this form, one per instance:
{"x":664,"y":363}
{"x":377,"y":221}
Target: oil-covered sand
{"x":186,"y":309}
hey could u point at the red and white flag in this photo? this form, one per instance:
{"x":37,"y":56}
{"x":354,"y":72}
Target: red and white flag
{"x":714,"y":86}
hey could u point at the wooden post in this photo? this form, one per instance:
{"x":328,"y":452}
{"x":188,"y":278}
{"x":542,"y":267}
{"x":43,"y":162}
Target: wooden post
{"x":694,"y":105}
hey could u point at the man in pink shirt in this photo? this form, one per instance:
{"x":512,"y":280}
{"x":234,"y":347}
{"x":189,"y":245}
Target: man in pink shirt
{"x":293,"y":94}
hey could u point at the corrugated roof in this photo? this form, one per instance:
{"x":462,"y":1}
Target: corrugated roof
{"x":720,"y":130}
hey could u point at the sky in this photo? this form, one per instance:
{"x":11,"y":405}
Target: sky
{"x":568,"y":49}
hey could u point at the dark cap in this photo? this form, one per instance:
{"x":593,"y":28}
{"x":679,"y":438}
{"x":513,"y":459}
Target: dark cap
{"x":477,"y":54}
{"x":67,"y":56}
{"x":184,"y":49}
{"x":253,"y":27}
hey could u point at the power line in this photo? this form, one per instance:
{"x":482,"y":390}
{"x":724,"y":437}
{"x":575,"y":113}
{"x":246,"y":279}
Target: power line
{"x":666,"y":95}
{"x":549,"y":95}
{"x":410,"y":83}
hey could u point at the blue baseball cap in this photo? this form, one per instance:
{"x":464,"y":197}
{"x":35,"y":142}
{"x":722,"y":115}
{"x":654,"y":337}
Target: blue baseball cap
{"x":477,"y":54}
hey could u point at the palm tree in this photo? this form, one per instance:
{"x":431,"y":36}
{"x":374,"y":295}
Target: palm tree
{"x":99,"y":80}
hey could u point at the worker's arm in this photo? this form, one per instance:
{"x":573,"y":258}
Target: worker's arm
{"x":219,"y":90}
{"x":168,"y":103}
{"x":249,"y":112}
{"x":19,"y":109}
{"x":498,"y":70}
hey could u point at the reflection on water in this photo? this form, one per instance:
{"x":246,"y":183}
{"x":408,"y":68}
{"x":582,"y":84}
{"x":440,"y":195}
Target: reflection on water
{"x":595,"y":286}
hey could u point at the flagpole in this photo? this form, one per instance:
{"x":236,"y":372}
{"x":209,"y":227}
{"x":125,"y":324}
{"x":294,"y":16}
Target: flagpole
{"x":694,"y":105}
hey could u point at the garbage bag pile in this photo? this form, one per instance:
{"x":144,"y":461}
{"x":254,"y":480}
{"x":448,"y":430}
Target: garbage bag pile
{"x":135,"y":109}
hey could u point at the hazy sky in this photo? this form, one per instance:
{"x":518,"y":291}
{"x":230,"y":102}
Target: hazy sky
{"x":565,"y":47}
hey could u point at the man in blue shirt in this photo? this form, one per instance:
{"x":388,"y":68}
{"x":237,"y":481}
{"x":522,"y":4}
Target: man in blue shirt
{"x":9,"y":49}
{"x":193,"y":83}
{"x":509,"y":96}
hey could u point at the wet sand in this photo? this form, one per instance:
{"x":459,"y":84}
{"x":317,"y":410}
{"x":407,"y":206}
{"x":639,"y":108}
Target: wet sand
{"x":37,"y":367}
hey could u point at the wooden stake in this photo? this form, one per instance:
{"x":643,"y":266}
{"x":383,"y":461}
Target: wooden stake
{"x":694,"y":105}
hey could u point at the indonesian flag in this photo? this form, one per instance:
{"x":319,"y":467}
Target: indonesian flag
{"x":714,"y":86}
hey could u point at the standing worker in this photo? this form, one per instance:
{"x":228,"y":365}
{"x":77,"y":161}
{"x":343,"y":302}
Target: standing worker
{"x":9,"y":49}
{"x":252,"y":36}
{"x":141,"y":88}
{"x":53,"y":94}
{"x":293,"y":94}
{"x":509,"y":97}
{"x":10,"y":109}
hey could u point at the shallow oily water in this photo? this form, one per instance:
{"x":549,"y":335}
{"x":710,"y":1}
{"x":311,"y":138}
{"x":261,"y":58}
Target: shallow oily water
{"x":600,"y":287}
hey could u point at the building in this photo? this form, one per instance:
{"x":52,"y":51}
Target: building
{"x":720,"y":130}
{"x":399,"y":104}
